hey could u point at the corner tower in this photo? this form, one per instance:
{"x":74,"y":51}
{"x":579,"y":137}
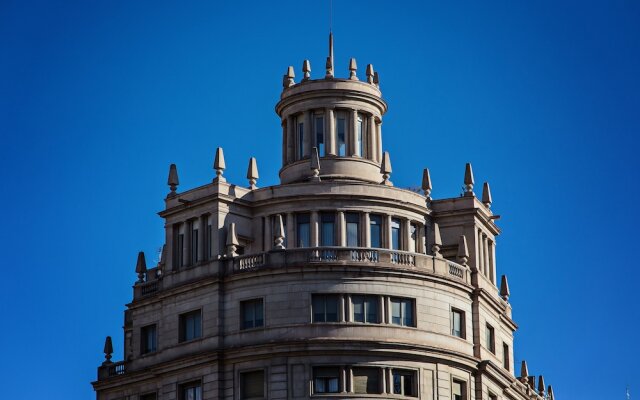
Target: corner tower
{"x":340,"y":118}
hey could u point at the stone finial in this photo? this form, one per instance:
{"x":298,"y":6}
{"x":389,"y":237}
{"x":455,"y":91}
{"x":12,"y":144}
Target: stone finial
{"x":306,"y":70}
{"x":532,"y":382}
{"x":463,"y":250}
{"x":219,"y":165}
{"x":385,"y":169}
{"x":437,"y":240}
{"x":468,"y":180}
{"x":141,"y":267}
{"x":279,"y":241}
{"x":486,"y":195}
{"x":353,"y":67}
{"x":232,"y":241}
{"x":550,"y":393}
{"x":370,"y":73}
{"x":287,"y":80}
{"x":524,"y":371}
{"x":315,"y":165}
{"x":173,"y":181}
{"x":252,"y":173}
{"x":504,"y":288}
{"x":108,"y":350}
{"x":541,"y":386}
{"x":376,"y":79}
{"x":329,"y":64}
{"x":426,"y":183}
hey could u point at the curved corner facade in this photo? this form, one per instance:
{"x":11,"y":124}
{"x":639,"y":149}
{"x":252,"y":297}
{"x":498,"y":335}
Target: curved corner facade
{"x":333,"y":284}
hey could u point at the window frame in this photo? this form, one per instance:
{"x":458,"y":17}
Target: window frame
{"x":404,"y":372}
{"x":324,"y":297}
{"x":341,"y":147}
{"x":143,"y":339}
{"x":490,"y":337}
{"x":353,"y":218}
{"x":306,"y":216}
{"x":379,"y":380}
{"x":196,"y":384}
{"x":401,"y":300}
{"x":321,"y":145}
{"x":463,"y":388}
{"x":380,"y":236}
{"x":330,"y":219}
{"x":242,"y":375}
{"x":365,"y":311}
{"x":506,"y":356}
{"x":245,"y":303}
{"x":182,"y":326}
{"x":463,"y":333}
{"x":314,"y":377}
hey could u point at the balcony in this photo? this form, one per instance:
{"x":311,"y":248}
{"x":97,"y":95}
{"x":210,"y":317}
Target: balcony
{"x":352,"y":256}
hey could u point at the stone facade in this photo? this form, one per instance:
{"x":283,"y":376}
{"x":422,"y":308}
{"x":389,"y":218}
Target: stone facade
{"x":333,"y":284}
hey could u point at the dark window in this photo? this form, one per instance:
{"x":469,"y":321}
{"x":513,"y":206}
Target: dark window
{"x":365,"y":309}
{"x":327,"y":229}
{"x":178,"y":246}
{"x":353,"y":230}
{"x":366,"y":380}
{"x":458,"y":390}
{"x":303,"y":231}
{"x":326,"y":380}
{"x":325,"y":307}
{"x":190,"y":326}
{"x":404,"y":383}
{"x":505,"y":356}
{"x":341,"y":127}
{"x":300,"y":140}
{"x":148,"y":339}
{"x":252,"y":313}
{"x":191,"y":391}
{"x":375,"y":229}
{"x":194,"y":246}
{"x":148,"y":396}
{"x":395,"y":234}
{"x":490,"y":338}
{"x":493,"y":396}
{"x":402,"y":311}
{"x":457,"y":323}
{"x":209,"y":241}
{"x":319,"y":126}
{"x":252,"y":385}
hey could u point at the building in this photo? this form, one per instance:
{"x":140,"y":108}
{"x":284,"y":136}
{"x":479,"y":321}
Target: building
{"x":332,"y":284}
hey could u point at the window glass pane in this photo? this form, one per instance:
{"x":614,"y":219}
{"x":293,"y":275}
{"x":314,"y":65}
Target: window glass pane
{"x":319,"y":386}
{"x":327,"y":230}
{"x":407,"y":313}
{"x":457,"y":324}
{"x":371,"y":308}
{"x":341,"y":128}
{"x":252,"y":385}
{"x":407,"y":385}
{"x":331,"y":308}
{"x":333,"y":385}
{"x":376,"y":231}
{"x":318,"y":308}
{"x":353,"y":230}
{"x":259,"y":313}
{"x":358,"y":308}
{"x":395,"y":234}
{"x":326,"y":379}
{"x":395,"y":312}
{"x":320,"y":134}
{"x":366,"y":380}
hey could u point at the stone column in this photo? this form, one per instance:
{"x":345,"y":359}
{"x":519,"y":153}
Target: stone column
{"x":202,"y":238}
{"x":291,"y":139}
{"x":343,"y":380}
{"x":379,"y":140}
{"x":485,"y":250}
{"x":343,"y":309}
{"x":307,"y":133}
{"x":347,"y":301}
{"x":371,"y":138}
{"x":387,"y":229}
{"x":285,"y":140}
{"x":290,"y":228}
{"x":480,"y":252}
{"x":169,"y":237}
{"x":314,"y":228}
{"x":353,"y":134}
{"x":341,"y":229}
{"x":409,"y":243}
{"x":366,"y":230}
{"x":492,"y":262}
{"x":329,"y":132}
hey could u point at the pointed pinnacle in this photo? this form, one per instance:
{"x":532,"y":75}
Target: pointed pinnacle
{"x":504,"y":288}
{"x":306,"y":69}
{"x":550,"y":392}
{"x":385,"y":169}
{"x":437,"y":239}
{"x":315,"y":159}
{"x":290,"y":72}
{"x":141,"y":264}
{"x":232,"y":237}
{"x":172,"y":180}
{"x":486,"y":195}
{"x":279,"y":242}
{"x":524,"y":371}
{"x":370,"y":73}
{"x":353,"y":67}
{"x":252,"y":173}
{"x":108,"y":348}
{"x":219,"y":165}
{"x":463,"y":250}
{"x":426,"y":182}
{"x":468,"y":180}
{"x":376,"y":79}
{"x":541,"y":386}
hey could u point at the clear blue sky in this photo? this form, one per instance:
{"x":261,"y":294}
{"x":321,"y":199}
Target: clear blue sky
{"x":98,"y":98}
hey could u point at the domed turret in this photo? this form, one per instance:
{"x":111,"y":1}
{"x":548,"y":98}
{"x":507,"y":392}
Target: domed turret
{"x":340,"y":117}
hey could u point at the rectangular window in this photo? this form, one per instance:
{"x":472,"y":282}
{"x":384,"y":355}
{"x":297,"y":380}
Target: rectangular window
{"x":327,"y":229}
{"x":490,"y":338}
{"x":505,"y":356}
{"x":194,"y":245}
{"x":190,"y":326}
{"x":404,"y":383}
{"x":359,"y":137}
{"x":301,"y":140}
{"x":191,"y":391}
{"x":366,"y":380}
{"x":341,"y":127}
{"x":457,"y":323}
{"x":303,"y":231}
{"x":402,"y":311}
{"x":209,"y":241}
{"x":325,"y":307}
{"x":252,"y":312}
{"x":326,"y":380}
{"x":252,"y":385}
{"x":319,"y":126}
{"x":458,"y":390}
{"x":395,"y":234}
{"x":375,"y":230}
{"x":365,"y":309}
{"x":148,"y":339}
{"x":353,"y":230}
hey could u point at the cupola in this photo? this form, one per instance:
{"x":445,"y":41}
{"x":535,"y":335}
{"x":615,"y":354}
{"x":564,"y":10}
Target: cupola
{"x":340,"y":117}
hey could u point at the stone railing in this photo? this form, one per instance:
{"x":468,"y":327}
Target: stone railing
{"x":110,"y":369}
{"x":353,"y":256}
